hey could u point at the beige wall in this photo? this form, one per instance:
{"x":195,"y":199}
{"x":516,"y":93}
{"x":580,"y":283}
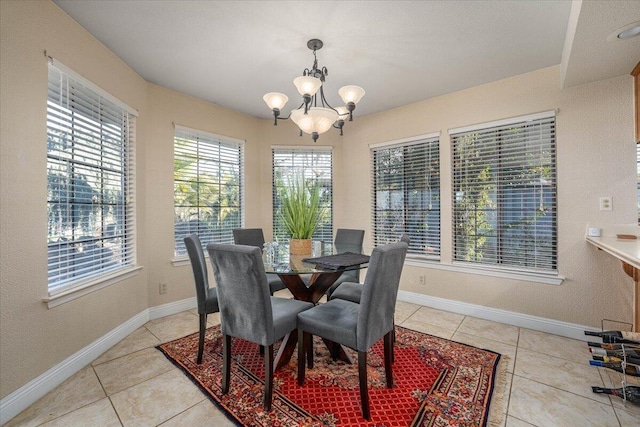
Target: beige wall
{"x":595,"y":158}
{"x":34,"y":338}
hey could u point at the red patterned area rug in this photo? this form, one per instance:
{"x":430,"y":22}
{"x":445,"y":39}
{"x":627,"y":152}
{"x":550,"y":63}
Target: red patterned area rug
{"x":437,"y":382}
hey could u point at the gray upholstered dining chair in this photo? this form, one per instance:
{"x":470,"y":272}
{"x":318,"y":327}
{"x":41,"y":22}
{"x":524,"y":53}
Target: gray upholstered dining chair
{"x":347,"y":240}
{"x":207,"y":297}
{"x":255,"y":237}
{"x":351,"y":291}
{"x":359,"y":326}
{"x":247,"y":310}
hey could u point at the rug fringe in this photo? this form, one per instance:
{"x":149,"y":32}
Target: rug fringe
{"x":496,"y":414}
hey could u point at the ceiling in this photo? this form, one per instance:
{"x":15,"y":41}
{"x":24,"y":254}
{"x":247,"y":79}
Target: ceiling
{"x":233,"y":52}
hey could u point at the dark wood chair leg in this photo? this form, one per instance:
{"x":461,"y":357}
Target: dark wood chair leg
{"x":393,"y":344}
{"x":203,"y":328}
{"x":268,"y":377}
{"x":226,"y":362}
{"x":301,"y":350}
{"x":334,"y":351}
{"x":388,"y":358}
{"x":364,"y":390}
{"x":308,"y":345}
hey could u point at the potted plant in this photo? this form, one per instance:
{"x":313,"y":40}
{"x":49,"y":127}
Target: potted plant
{"x":301,"y":213}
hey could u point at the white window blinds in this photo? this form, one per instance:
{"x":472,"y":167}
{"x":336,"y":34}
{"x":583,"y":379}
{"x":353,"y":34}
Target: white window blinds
{"x":90,"y":182}
{"x":208,"y":178}
{"x":406,"y":194}
{"x":504,"y":194}
{"x":315,"y":164}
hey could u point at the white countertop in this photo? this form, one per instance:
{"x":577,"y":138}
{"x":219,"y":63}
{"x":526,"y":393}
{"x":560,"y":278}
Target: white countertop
{"x":623,"y":249}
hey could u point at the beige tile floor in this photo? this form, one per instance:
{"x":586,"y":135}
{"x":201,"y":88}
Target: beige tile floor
{"x":548,"y":381}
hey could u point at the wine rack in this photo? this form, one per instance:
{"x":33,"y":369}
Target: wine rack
{"x":629,"y":353}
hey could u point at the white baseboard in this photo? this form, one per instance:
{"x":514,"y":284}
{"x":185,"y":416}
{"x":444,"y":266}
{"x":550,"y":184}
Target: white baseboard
{"x":556,"y":327}
{"x":25,"y":396}
{"x":172,"y":308}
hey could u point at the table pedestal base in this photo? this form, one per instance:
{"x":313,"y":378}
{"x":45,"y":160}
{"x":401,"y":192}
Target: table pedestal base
{"x":311,"y":292}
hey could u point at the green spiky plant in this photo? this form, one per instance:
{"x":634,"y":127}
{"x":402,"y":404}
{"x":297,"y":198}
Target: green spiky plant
{"x":301,"y":211}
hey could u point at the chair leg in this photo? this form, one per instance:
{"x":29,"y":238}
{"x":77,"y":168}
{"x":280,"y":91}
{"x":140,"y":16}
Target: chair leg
{"x":388,"y":358}
{"x":268,"y":377}
{"x":203,"y":328}
{"x":308,"y":345}
{"x":364,"y":390}
{"x":393,"y":344}
{"x":226,"y":362}
{"x":301,"y":351}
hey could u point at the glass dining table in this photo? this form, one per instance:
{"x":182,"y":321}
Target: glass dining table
{"x":308,"y":277}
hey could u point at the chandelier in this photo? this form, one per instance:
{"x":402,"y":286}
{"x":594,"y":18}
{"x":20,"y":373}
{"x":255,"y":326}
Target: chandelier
{"x":315,"y":115}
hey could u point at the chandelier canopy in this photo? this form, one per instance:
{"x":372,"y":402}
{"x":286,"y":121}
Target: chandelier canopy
{"x":315,"y":115}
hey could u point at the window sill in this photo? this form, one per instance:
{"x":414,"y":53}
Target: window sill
{"x":179,"y":262}
{"x":85,"y":288}
{"x":548,"y":278}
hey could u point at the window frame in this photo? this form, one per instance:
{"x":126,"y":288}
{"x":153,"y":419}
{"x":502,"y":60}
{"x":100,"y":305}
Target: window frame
{"x":206,"y":144}
{"x":89,"y":129}
{"x":431,"y":143}
{"x":485,"y":132}
{"x":323,"y":233}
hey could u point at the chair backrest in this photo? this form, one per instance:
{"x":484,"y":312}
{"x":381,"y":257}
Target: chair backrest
{"x":405,"y":238}
{"x":379,"y":294}
{"x":348,"y":240}
{"x":243,"y":292}
{"x":199,"y":266}
{"x":248,"y":236}
{"x":348,"y":237}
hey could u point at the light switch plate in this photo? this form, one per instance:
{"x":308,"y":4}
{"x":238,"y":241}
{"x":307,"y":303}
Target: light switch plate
{"x":594,"y":232}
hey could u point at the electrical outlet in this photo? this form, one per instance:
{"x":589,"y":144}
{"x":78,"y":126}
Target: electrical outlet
{"x":606,"y":203}
{"x":422,"y":280}
{"x":163,"y":288}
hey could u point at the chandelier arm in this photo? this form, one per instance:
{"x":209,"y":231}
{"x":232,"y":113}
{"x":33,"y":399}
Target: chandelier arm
{"x":325,"y":103}
{"x":277,"y":115}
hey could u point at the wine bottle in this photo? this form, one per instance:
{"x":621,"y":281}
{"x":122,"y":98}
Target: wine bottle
{"x":617,"y":353}
{"x":616,"y":336}
{"x":634,"y":371}
{"x":617,"y":359}
{"x":608,"y":346}
{"x":630,"y":393}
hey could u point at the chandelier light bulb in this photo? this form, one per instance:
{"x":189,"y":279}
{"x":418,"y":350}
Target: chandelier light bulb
{"x":275,"y":100}
{"x":317,"y":119}
{"x":351,"y":94}
{"x":307,"y":85}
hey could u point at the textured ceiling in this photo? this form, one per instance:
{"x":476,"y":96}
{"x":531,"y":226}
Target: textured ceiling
{"x":233,"y":52}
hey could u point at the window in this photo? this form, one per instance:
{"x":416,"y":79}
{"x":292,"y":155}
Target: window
{"x":406,"y":193}
{"x":504,"y":194}
{"x":90,"y":182}
{"x":208,"y":181}
{"x":315,"y":164}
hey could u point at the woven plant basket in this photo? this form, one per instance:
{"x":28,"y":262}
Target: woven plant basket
{"x":300,"y":246}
